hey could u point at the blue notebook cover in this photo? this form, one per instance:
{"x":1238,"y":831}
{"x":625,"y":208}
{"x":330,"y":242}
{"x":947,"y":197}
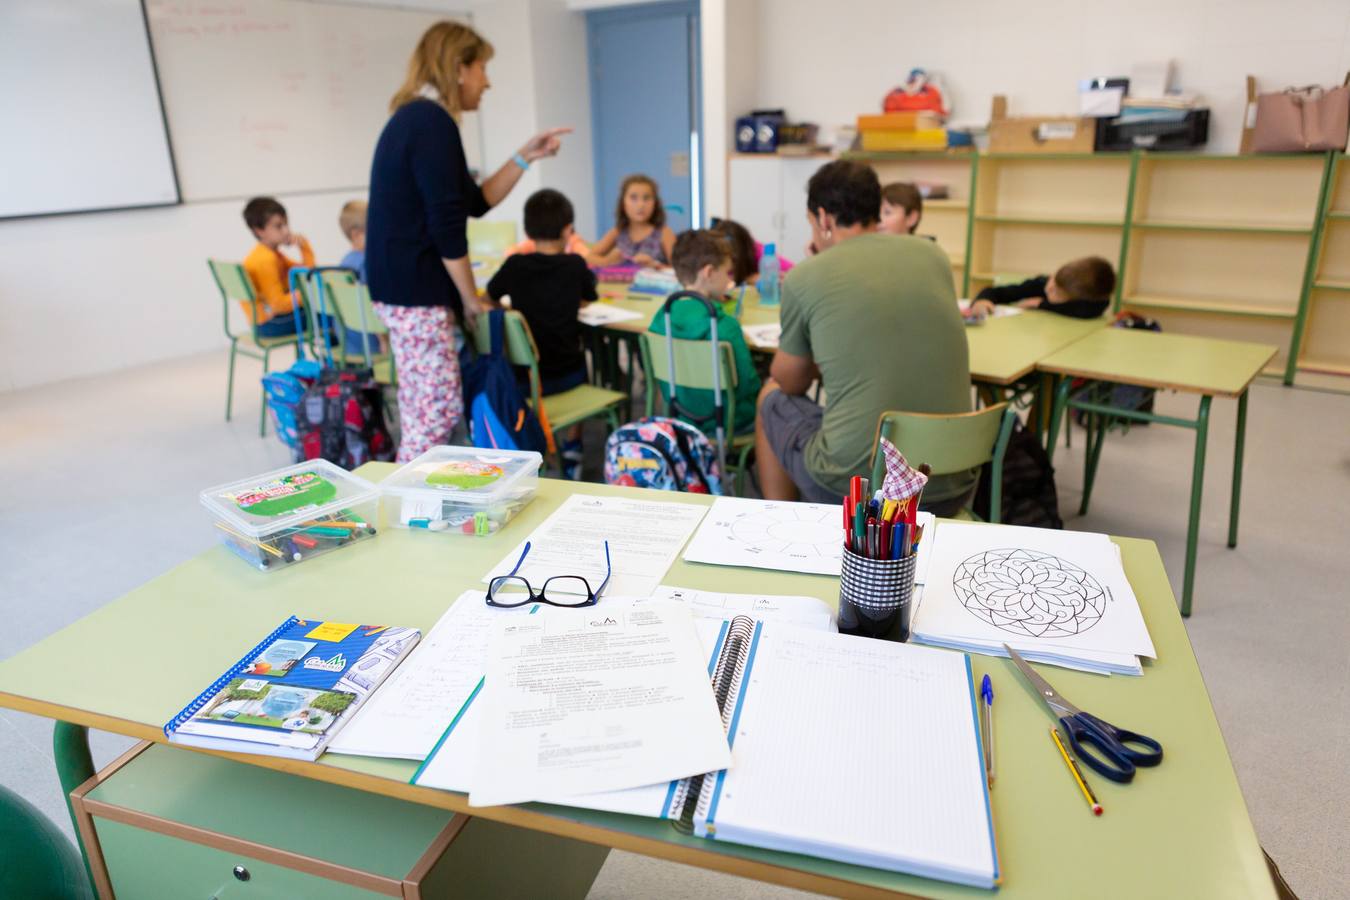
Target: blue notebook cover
{"x":290,"y":694}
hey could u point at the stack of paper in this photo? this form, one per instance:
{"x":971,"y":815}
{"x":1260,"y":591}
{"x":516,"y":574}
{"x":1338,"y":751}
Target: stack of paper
{"x":1058,"y":597}
{"x":601,"y":314}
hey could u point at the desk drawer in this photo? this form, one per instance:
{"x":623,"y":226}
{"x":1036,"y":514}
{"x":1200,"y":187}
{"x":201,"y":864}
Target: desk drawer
{"x":148,"y":866}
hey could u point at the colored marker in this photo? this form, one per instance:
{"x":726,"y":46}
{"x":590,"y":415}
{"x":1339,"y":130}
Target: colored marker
{"x":1077,"y":774}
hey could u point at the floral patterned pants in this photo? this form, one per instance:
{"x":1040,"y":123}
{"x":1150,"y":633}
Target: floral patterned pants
{"x":430,"y":396}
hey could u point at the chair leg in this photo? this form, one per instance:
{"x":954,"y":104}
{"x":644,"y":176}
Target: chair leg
{"x":74,"y":766}
{"x":229,"y":381}
{"x":262,"y":415}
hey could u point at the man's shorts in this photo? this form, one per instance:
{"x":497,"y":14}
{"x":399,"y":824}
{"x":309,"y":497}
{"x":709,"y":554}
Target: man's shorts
{"x":789,"y":424}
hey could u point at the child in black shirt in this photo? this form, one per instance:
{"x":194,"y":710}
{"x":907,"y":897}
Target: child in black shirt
{"x":1081,"y":289}
{"x":548,"y":287}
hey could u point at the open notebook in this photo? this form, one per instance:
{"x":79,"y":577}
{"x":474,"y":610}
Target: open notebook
{"x":885,"y":735}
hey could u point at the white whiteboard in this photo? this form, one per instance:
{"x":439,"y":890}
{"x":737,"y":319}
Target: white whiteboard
{"x":80,"y":121}
{"x":281,"y":96}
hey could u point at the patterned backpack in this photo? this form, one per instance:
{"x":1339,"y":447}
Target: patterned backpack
{"x":664,"y":454}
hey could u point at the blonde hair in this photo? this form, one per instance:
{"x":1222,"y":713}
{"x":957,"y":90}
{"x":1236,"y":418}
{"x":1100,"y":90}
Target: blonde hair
{"x":352,"y":217}
{"x":444,"y":48}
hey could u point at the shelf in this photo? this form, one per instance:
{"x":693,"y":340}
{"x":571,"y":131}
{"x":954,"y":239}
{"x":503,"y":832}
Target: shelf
{"x":1214,"y":226}
{"x":945,"y":203}
{"x":1329,"y":368}
{"x":1258,"y":311}
{"x":994,"y":276}
{"x":1062,"y":157}
{"x":954,"y":155}
{"x":1331,"y":284}
{"x":1045,"y":220}
{"x":1339,"y":216}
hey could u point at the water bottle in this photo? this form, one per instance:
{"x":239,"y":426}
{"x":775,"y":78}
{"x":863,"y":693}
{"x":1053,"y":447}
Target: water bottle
{"x":768,"y":277}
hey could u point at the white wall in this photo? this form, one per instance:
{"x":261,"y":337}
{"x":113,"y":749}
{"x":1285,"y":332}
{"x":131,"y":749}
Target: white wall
{"x":827,"y":68}
{"x":84,"y":294}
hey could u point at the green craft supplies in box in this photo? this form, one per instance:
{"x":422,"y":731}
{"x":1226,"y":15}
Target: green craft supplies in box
{"x":278,"y":519}
{"x":461,"y":490}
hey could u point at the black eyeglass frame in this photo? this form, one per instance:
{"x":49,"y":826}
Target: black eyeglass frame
{"x":592,"y":596}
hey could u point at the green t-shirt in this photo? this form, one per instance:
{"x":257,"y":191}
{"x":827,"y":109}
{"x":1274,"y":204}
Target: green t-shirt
{"x":877,"y":313}
{"x":689,"y":320}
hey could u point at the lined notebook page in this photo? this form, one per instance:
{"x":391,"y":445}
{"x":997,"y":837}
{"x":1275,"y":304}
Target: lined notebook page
{"x":858,"y":750}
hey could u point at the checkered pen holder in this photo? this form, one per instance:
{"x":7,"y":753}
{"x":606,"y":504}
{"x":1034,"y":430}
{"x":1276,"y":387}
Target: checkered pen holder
{"x":875,"y":595}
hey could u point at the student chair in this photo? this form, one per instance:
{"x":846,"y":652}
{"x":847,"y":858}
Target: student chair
{"x":348,"y":302}
{"x":585,"y":401}
{"x":693,"y":371}
{"x":235,"y":287}
{"x":490,"y":240}
{"x":950,"y":443}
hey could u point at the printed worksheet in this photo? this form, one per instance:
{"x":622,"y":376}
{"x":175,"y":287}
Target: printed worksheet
{"x":581,"y":701}
{"x":644,"y":538}
{"x":806,"y":612}
{"x":763,"y":336}
{"x":599,"y":314}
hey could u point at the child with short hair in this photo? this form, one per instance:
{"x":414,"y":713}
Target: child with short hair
{"x":548,"y":287}
{"x":745,"y":251}
{"x":901,"y":208}
{"x":269,"y":269}
{"x":352,"y":221}
{"x":703,"y":264}
{"x":1080,"y":288}
{"x":640,"y":235}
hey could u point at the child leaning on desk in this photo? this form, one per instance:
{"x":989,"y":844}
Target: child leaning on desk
{"x":1080,"y":288}
{"x":703,"y":265}
{"x":548,"y":287}
{"x":640,"y":235}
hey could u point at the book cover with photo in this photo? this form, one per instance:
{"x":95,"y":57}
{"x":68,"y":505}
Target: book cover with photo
{"x":291,"y":693}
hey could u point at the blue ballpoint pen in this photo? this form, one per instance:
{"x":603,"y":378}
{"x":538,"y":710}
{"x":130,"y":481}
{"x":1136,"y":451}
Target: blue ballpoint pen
{"x":987,"y":693}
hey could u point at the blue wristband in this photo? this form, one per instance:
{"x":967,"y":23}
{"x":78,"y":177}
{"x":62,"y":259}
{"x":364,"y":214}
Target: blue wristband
{"x":520,"y":161}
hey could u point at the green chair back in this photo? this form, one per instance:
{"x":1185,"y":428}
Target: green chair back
{"x":489,"y":240}
{"x":36,"y":858}
{"x":949,"y":443}
{"x":234,"y":286}
{"x":348,"y":302}
{"x":693,"y":370}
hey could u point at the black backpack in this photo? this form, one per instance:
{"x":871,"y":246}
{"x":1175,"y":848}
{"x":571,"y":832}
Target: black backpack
{"x":1029,"y":496}
{"x":341,"y":419}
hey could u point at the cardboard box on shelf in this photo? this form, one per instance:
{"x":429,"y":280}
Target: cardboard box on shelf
{"x":1037,"y":134}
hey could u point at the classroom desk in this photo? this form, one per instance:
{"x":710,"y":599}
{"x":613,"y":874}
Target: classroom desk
{"x":649,"y":305}
{"x":1180,"y":830}
{"x":1198,"y":365}
{"x":1005,"y":349}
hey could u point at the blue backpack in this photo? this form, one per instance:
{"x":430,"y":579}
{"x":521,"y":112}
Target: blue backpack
{"x":663,"y":454}
{"x":499,"y":417}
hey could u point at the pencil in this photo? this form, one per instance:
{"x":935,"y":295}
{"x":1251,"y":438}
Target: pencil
{"x":1077,"y":774}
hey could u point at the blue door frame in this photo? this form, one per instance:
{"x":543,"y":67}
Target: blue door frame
{"x":634,"y":122}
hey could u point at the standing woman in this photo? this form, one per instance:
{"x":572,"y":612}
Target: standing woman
{"x":417,"y":251}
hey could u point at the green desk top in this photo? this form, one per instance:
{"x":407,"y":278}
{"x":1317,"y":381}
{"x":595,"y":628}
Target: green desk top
{"x":1180,"y":830}
{"x":1199,"y":365}
{"x":649,"y":304}
{"x":1006,"y":348}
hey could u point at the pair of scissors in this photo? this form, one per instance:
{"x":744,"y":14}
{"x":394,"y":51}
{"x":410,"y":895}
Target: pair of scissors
{"x":1113,"y":757}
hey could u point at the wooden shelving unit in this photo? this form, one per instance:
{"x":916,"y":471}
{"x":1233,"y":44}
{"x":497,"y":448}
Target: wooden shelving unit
{"x":1220,"y":245}
{"x":1034,"y":212}
{"x":1325,"y":331}
{"x":1250,"y":247}
{"x":947,"y":220}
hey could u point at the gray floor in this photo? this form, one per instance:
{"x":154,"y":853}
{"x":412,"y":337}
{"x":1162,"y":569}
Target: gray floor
{"x":98,"y":494}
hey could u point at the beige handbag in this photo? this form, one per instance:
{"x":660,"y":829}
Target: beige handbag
{"x":1300,"y":119}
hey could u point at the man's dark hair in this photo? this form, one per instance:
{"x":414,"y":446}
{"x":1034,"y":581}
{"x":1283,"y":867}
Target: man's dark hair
{"x":547,"y":213}
{"x":259,"y":210}
{"x":695,"y":249}
{"x":847,"y":190}
{"x":1089,"y":278}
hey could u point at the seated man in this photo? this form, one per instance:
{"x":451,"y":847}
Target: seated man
{"x":874,"y":317}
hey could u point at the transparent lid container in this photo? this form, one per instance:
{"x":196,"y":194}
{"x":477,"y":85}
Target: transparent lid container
{"x":286,"y":498}
{"x":446,"y":481}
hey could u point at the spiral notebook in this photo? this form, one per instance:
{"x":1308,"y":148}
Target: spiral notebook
{"x":884,"y":733}
{"x":295,"y":690}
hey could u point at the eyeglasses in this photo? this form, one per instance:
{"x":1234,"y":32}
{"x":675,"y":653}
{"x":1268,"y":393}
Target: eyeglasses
{"x":574,"y":586}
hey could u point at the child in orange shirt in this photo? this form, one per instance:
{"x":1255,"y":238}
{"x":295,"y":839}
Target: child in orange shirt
{"x":269,"y":269}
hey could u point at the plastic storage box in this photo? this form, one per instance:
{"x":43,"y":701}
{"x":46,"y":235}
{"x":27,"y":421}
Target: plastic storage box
{"x":461,"y":490}
{"x":280,"y":518}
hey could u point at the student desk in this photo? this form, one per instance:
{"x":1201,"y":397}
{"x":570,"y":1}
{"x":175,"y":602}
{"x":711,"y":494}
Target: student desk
{"x":1005,"y":349}
{"x":1198,"y":365}
{"x":1180,"y":830}
{"x":617,"y":294}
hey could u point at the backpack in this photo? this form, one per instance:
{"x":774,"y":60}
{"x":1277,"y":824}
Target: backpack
{"x":341,"y":419}
{"x":663,"y":454}
{"x":499,"y":417}
{"x":284,"y":393}
{"x":1029,"y":496}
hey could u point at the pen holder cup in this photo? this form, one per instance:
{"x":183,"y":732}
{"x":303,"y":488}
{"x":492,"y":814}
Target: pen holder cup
{"x":875,"y":596}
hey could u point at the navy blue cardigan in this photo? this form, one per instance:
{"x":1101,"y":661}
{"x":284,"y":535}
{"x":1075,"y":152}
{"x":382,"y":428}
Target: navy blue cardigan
{"x":421,"y":195}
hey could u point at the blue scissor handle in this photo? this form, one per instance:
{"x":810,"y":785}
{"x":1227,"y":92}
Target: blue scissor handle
{"x":1113,"y":757}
